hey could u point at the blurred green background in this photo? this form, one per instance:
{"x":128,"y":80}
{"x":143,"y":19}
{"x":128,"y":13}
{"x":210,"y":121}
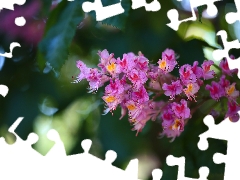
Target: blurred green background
{"x":39,"y":76}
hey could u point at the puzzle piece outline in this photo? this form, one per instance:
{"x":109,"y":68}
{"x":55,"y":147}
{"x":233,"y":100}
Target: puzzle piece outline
{"x":219,"y":54}
{"x":215,"y":132}
{"x":180,"y":162}
{"x":173,"y":14}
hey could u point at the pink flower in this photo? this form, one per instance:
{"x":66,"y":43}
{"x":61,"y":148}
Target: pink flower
{"x":141,"y":113}
{"x":232,"y":112}
{"x":141,"y":95}
{"x":231,"y":92}
{"x":112,"y":102}
{"x":127,"y":63}
{"x":105,"y":58}
{"x":174,"y":130}
{"x":168,"y":61}
{"x":114,"y":94}
{"x":141,"y":62}
{"x":92,"y":75}
{"x":181,"y":110}
{"x":113,"y":68}
{"x":167,"y":117}
{"x":115,"y":87}
{"x":134,"y":109}
{"x":153,"y":72}
{"x":197,"y":70}
{"x":207,"y":73}
{"x":186,"y":74}
{"x":84,"y":71}
{"x":216,"y":90}
{"x":173,"y":89}
{"x":138,"y":78}
{"x":169,"y":55}
{"x":224,"y":82}
{"x":191,"y":90}
{"x":225,"y":68}
{"x":172,"y":125}
{"x":94,"y":78}
{"x":140,"y":124}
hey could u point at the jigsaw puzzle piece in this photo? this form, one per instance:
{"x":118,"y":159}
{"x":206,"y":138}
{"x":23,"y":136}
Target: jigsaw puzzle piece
{"x":110,"y":156}
{"x":231,"y":168}
{"x":173,"y":14}
{"x":3,"y":90}
{"x":180,"y":162}
{"x":157,"y":174}
{"x":233,"y":149}
{"x":216,"y":131}
{"x":19,"y":156}
{"x":98,"y":166}
{"x":21,"y":146}
{"x":153,"y":6}
{"x":9,"y":4}
{"x":103,"y":12}
{"x":86,"y":144}
{"x":232,"y":17}
{"x":12,"y":46}
{"x":224,"y":53}
{"x":58,"y":149}
{"x":219,"y":158}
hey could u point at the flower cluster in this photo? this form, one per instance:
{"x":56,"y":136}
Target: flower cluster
{"x":224,"y":88}
{"x":135,"y":84}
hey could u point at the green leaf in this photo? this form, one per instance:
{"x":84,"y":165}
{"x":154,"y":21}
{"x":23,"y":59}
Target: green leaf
{"x":118,"y":21}
{"x":46,"y":5}
{"x":60,"y":30}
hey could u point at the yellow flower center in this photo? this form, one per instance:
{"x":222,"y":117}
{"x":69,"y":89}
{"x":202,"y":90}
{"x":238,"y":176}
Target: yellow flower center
{"x":163,"y":64}
{"x":190,"y":87}
{"x":111,"y":67}
{"x":230,"y":90}
{"x":176,"y":125}
{"x":110,"y":99}
{"x":131,"y":107}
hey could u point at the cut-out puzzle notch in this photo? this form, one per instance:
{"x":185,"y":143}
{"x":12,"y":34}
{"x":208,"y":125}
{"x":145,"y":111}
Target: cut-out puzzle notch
{"x":232,"y":17}
{"x":153,"y":6}
{"x":180,"y":162}
{"x":173,"y":14}
{"x":21,"y":157}
{"x":19,"y":21}
{"x":224,"y":53}
{"x":226,"y":130}
{"x":102,"y":12}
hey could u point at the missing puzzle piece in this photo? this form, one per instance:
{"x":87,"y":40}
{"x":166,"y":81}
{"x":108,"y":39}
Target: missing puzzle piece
{"x":233,"y":148}
{"x":224,"y":53}
{"x":12,"y":46}
{"x":102,"y":12}
{"x":9,"y":4}
{"x":153,"y":6}
{"x":180,"y":162}
{"x":173,"y":14}
{"x":232,"y":17}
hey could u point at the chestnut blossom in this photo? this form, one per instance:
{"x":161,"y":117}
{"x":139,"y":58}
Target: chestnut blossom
{"x":135,"y":85}
{"x":173,"y":89}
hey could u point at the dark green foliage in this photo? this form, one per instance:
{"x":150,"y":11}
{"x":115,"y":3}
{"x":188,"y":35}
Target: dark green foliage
{"x":200,"y":11}
{"x":60,"y":30}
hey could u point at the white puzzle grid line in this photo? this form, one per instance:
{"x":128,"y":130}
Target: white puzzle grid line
{"x":83,"y":165}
